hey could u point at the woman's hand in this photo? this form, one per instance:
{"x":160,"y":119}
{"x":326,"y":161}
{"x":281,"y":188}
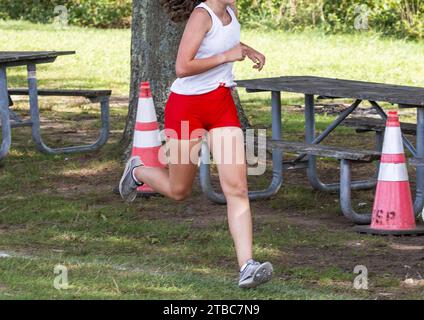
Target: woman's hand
{"x":238,"y":53}
{"x":257,"y":57}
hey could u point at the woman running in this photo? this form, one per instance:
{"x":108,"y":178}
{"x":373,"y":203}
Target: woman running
{"x":201,"y":102}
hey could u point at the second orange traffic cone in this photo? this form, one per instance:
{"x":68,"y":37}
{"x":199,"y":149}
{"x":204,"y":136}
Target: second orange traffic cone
{"x":393,"y":212}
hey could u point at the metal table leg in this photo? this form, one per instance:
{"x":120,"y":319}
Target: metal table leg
{"x":345,"y":196}
{"x":277,"y":161}
{"x":35,"y":117}
{"x":16,"y":120}
{"x":379,"y":140}
{"x":419,"y":193}
{"x":310,"y":138}
{"x":310,"y":122}
{"x":4,"y":115}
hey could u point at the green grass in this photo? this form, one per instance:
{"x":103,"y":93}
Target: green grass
{"x":104,"y":56}
{"x":102,"y":59}
{"x":61,"y":209}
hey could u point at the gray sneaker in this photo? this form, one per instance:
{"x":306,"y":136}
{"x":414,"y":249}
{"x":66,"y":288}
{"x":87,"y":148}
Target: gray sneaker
{"x":255,"y":274}
{"x":128,"y":186}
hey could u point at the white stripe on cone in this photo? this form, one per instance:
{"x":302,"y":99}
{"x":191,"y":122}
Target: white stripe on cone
{"x":393,"y":172}
{"x":393,"y":141}
{"x":147,"y":139}
{"x":146,"y":110}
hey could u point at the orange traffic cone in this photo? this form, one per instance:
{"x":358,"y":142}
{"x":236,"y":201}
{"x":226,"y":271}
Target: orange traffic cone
{"x":147,"y":143}
{"x":393,"y":212}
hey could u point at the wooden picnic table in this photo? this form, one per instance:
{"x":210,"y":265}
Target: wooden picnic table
{"x":14,"y":59}
{"x":22,"y":58}
{"x":310,"y":87}
{"x":31,"y":59}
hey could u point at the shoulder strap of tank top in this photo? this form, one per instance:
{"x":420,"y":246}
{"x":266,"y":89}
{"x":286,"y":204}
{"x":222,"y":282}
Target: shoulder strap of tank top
{"x":232,"y":13}
{"x":211,"y":13}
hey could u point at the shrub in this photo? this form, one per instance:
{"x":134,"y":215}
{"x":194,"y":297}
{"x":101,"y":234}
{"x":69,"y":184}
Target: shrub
{"x":88,"y":13}
{"x":402,"y":18}
{"x":282,"y":14}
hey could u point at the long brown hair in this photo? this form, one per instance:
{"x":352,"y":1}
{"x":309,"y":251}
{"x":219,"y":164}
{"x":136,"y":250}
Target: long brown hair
{"x":179,"y":10}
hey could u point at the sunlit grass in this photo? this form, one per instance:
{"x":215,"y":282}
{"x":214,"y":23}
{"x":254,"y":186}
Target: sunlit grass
{"x":102,"y":59}
{"x":103,"y":56}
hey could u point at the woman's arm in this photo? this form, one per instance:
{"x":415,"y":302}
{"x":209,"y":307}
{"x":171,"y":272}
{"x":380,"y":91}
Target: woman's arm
{"x":198,"y":25}
{"x":254,"y":55}
{"x":257,"y":57}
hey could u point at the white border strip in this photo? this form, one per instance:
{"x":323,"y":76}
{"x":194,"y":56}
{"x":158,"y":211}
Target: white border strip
{"x":393,"y":172}
{"x":147,"y":139}
{"x":146,"y":111}
{"x":393,"y":141}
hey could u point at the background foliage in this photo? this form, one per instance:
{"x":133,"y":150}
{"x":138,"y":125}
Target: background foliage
{"x":400,"y":18}
{"x":87,"y":13}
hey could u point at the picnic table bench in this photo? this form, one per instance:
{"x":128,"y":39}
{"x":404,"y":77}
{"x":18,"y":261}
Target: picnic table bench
{"x":9,"y":119}
{"x":366,"y":124}
{"x":310,"y":87}
{"x":92,"y":95}
{"x":339,"y":153}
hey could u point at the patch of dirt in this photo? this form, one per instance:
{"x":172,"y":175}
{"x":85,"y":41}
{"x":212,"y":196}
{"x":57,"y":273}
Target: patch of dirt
{"x":329,"y":221}
{"x":379,"y":260}
{"x":335,"y":108}
{"x":5,"y":229}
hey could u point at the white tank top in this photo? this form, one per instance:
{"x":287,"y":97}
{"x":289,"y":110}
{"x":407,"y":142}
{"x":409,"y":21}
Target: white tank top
{"x":219,"y":39}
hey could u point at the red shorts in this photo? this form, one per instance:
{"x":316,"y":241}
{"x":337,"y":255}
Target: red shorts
{"x":191,"y":116}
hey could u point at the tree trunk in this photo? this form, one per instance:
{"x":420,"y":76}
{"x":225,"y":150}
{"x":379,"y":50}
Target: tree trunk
{"x":154,"y":46}
{"x":293,"y":8}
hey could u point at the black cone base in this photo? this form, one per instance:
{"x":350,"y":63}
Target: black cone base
{"x":418,"y":231}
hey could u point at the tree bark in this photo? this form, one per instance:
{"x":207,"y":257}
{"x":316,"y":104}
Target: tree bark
{"x":154,"y":47}
{"x":293,"y":8}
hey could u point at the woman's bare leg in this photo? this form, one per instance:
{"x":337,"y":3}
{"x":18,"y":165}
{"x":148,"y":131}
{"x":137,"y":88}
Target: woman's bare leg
{"x":177,"y":181}
{"x":227,"y":146}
